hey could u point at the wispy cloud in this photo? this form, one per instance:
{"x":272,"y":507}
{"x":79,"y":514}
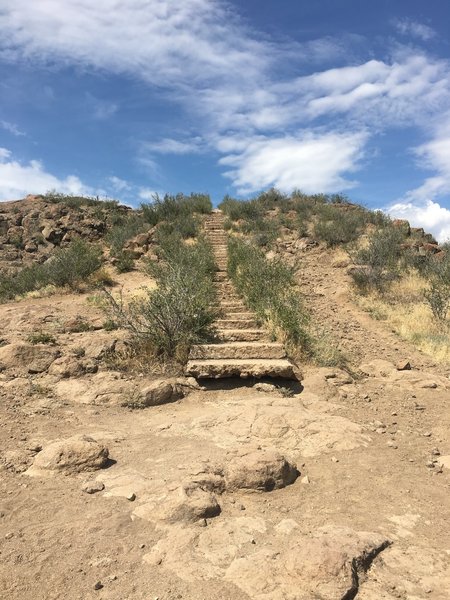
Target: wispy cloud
{"x":100,"y":109}
{"x":12,"y":128}
{"x":18,"y":179}
{"x":414,"y":29}
{"x":172,"y":146}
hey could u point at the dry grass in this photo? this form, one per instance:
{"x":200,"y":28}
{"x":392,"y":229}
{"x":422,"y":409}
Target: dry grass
{"x":405,"y":311}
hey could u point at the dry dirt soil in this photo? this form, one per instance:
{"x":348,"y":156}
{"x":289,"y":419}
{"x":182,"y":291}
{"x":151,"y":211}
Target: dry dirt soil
{"x":196,"y":500}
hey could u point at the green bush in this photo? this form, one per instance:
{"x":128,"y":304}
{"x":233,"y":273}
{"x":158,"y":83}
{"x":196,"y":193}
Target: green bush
{"x":236,"y":210}
{"x":381,"y":262}
{"x":269,"y":290}
{"x":180,"y":311}
{"x":337,"y":225}
{"x":67,"y":267}
{"x":175,"y":208}
{"x":76,"y":202}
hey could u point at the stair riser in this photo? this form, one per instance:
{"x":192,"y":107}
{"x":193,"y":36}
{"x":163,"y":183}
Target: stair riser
{"x":225,"y":352}
{"x":236,"y":324}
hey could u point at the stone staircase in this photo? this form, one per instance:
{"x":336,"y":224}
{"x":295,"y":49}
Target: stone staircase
{"x":243,"y":348}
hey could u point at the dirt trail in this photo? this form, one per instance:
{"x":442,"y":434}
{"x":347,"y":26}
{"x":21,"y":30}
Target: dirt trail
{"x":367,"y":516}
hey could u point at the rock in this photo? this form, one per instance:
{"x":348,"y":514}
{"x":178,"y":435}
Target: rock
{"x":265,"y":387}
{"x":98,"y":585}
{"x":27,"y":357}
{"x":403,"y":365}
{"x":187,"y":504}
{"x":305,"y":480}
{"x":327,"y":565}
{"x":92,"y":487}
{"x":73,"y":455}
{"x":66,"y":366}
{"x":160,"y":392}
{"x":131,"y":497}
{"x":261,"y":470}
{"x":444,"y":461}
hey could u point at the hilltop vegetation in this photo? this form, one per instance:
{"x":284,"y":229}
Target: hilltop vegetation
{"x":399,"y":274}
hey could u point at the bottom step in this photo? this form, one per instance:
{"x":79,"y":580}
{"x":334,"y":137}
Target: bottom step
{"x":216,"y":369}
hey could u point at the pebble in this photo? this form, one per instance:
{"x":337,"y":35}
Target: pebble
{"x":242,"y":507}
{"x":435,"y":452}
{"x":305,"y":480}
{"x":427,"y":434}
{"x":392,"y":444}
{"x":131,"y":497}
{"x":98,"y":585}
{"x":202,"y":523}
{"x":334,"y":459}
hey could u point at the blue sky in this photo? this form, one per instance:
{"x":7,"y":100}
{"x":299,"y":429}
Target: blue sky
{"x":124,"y":98}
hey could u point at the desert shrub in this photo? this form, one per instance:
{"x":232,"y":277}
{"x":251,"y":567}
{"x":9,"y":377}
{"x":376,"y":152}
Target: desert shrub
{"x":269,"y":290}
{"x":336,"y":225}
{"x":76,"y":202}
{"x":185,"y":226}
{"x":236,"y":210}
{"x":380,"y":262}
{"x":175,"y":208}
{"x":438,"y":293}
{"x":72,"y":265}
{"x":180,"y":311}
{"x":125,"y":228}
{"x":41,"y":337}
{"x":69,"y":266}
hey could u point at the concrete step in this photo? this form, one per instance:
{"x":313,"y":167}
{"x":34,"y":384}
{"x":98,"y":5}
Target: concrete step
{"x":243,"y":315}
{"x":242,"y":335}
{"x":219,"y":368}
{"x":236,"y":323}
{"x":239,"y":350}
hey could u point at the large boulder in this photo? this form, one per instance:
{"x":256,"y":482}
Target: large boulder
{"x":77,"y":454}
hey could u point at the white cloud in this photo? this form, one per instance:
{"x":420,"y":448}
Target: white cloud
{"x":11,"y":128}
{"x":17,"y":179}
{"x":119,"y":185}
{"x":171,"y":146}
{"x":414,"y":29}
{"x":148,"y":194}
{"x":430,"y":215}
{"x":311,"y":162}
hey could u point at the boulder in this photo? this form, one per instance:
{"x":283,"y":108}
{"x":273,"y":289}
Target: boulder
{"x":260,"y":470}
{"x":77,"y":454}
{"x":159,"y":392}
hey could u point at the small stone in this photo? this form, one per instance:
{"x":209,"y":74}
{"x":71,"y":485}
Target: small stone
{"x":253,"y":542}
{"x":141,"y":546}
{"x":427,"y":434}
{"x":92,"y":487}
{"x":9,"y":535}
{"x":305,"y":480}
{"x":435,"y":452}
{"x":131,"y":496}
{"x":98,"y":585}
{"x":392,"y":444}
{"x":403,"y":365}
{"x":202,"y":523}
{"x":334,"y":459}
{"x":430,"y":464}
{"x":241,"y":507}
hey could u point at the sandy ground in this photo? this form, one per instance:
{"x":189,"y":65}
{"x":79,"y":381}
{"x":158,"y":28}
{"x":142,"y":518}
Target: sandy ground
{"x":369,"y":449}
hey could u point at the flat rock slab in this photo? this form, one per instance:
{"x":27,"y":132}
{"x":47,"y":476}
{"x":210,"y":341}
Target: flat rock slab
{"x":270,"y":562}
{"x":219,"y":368}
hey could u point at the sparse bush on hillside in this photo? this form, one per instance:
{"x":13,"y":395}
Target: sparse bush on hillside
{"x":175,"y":208}
{"x":180,"y":311}
{"x":70,"y":266}
{"x":124,"y":229}
{"x":380,"y":262}
{"x":76,"y":202}
{"x":268,"y":287}
{"x":438,"y":293}
{"x":236,"y":210}
{"x":335,"y":225}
